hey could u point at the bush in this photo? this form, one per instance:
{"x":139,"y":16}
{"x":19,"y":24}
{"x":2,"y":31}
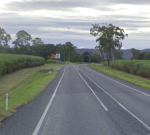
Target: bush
{"x":137,"y":67}
{"x":12,"y":62}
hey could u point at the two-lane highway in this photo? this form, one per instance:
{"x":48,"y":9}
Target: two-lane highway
{"x":82,"y":101}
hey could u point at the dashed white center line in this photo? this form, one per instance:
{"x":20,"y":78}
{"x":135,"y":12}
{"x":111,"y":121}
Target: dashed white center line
{"x":105,"y":108}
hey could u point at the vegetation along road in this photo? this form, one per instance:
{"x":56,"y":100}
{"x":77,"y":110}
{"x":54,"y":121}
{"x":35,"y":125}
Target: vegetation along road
{"x":81,"y":100}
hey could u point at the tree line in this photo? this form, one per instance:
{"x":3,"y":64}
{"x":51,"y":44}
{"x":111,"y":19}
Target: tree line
{"x":140,"y":56}
{"x":24,"y":44}
{"x":109,"y":39}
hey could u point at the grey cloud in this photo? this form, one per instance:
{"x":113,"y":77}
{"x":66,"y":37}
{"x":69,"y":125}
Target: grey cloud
{"x":135,"y":2}
{"x":16,"y":20}
{"x":68,"y":4}
{"x":48,"y":5}
{"x":12,"y":23}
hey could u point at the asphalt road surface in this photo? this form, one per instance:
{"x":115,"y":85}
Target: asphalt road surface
{"x":82,"y":101}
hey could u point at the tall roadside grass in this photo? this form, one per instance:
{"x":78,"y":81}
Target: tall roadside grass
{"x":12,"y":62}
{"x":136,"y":67}
{"x":137,"y":80}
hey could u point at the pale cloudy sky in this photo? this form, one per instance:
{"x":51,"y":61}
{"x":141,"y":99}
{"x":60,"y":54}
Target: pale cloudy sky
{"x":59,"y":21}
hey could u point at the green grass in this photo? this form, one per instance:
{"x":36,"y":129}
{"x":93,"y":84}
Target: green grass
{"x":23,"y":86}
{"x":52,"y":61}
{"x":12,"y":62}
{"x":135,"y":79}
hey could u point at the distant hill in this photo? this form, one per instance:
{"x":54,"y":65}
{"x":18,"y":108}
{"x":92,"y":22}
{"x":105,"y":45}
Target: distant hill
{"x":126,"y":53}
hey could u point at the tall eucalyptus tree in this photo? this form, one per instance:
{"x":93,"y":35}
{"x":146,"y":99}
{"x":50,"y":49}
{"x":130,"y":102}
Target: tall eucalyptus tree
{"x":37,"y":41}
{"x":109,"y":38}
{"x":22,"y":42}
{"x":4,"y":39}
{"x":70,"y":50}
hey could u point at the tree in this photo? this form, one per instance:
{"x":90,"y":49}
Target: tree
{"x":141,"y":56}
{"x":147,"y":56}
{"x":69,"y":50}
{"x":7,"y":38}
{"x":135,"y":53}
{"x":60,"y":48}
{"x":44,"y":50}
{"x":90,"y":56}
{"x":77,"y":57}
{"x":86,"y":56}
{"x":118,"y":54}
{"x":96,"y":58}
{"x":4,"y":39}
{"x":2,"y":33}
{"x":101,"y":51}
{"x":109,"y":38}
{"x":22,"y":43}
{"x":37,"y":41}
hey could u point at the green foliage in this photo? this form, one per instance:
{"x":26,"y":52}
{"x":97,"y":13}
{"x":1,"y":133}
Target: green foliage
{"x":141,"y":56}
{"x":89,"y":57}
{"x":68,"y":52}
{"x":4,"y":39}
{"x":62,"y":50}
{"x":147,"y":56}
{"x":118,"y":55}
{"x":96,"y":58}
{"x":22,"y":42}
{"x":23,"y":38}
{"x":12,"y":62}
{"x":86,"y":56}
{"x":135,"y":53}
{"x":37,"y":41}
{"x":137,"y":67}
{"x":43,"y":50}
{"x":109,"y":38}
{"x":77,"y":57}
{"x":38,"y":48}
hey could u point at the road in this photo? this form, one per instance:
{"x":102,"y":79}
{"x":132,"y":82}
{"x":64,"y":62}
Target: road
{"x":82,"y":101}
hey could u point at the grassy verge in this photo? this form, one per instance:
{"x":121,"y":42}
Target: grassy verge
{"x":23,"y":86}
{"x":138,"y":80}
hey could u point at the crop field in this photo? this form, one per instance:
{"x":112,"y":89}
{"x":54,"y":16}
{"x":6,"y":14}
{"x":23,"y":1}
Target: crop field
{"x":12,"y":62}
{"x":136,"y":67}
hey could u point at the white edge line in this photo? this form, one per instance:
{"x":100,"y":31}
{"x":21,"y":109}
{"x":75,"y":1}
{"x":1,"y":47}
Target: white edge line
{"x":47,"y":107}
{"x":105,"y":108}
{"x":119,"y":103}
{"x":118,"y":82}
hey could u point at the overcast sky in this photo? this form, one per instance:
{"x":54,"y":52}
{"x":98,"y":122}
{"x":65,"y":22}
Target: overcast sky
{"x":59,"y":21}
